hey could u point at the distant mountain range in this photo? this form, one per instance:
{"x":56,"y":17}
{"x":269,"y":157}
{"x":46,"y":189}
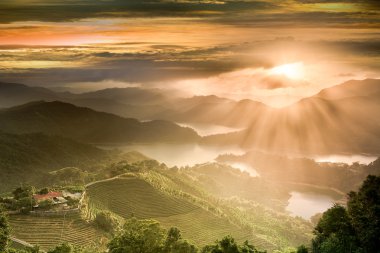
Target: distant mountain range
{"x":87,"y":125}
{"x":333,"y":121}
{"x":341,"y":119}
{"x":141,"y":104}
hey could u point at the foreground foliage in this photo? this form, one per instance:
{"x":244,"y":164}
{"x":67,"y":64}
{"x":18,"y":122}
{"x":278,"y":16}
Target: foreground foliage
{"x":228,"y":245}
{"x":355,"y":228}
{"x":147,"y":236}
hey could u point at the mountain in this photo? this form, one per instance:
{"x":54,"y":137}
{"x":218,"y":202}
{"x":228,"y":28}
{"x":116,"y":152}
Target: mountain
{"x":129,"y":95}
{"x":353,"y":88}
{"x":141,"y":103}
{"x":130,"y":102}
{"x":28,"y":157}
{"x":218,"y":111}
{"x":12,"y":94}
{"x":87,"y":125}
{"x":344,"y":123}
{"x":340,"y":119}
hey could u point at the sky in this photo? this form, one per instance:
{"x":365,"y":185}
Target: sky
{"x":273,"y":51}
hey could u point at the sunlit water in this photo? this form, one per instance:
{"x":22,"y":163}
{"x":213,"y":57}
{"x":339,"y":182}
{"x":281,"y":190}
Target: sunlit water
{"x":308,"y":204}
{"x":244,"y":167}
{"x":349,"y":159}
{"x":180,"y":154}
{"x":209,"y":129}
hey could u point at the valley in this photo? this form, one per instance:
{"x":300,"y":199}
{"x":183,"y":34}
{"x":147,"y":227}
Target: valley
{"x":197,"y":176}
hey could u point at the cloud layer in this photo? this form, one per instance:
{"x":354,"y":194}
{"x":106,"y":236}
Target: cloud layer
{"x":166,"y":43}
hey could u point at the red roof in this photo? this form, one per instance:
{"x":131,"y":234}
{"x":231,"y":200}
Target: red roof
{"x":49,"y":195}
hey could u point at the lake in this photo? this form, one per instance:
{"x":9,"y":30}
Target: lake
{"x":179,"y":154}
{"x":209,"y":129}
{"x":244,"y":167}
{"x":307,"y":204}
{"x":349,"y":159}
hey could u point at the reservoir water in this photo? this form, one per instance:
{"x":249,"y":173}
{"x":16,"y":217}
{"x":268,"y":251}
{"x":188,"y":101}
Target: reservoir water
{"x":307,"y":204}
{"x":180,"y":154}
{"x":349,"y":159}
{"x":209,"y":129}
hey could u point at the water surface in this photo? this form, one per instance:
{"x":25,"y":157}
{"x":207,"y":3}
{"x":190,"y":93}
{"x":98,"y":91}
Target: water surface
{"x":349,"y":159}
{"x":244,"y":167}
{"x":209,"y":129}
{"x":307,"y":204}
{"x":179,"y":154}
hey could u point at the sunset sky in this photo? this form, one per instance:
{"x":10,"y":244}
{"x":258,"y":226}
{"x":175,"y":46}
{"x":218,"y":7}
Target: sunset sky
{"x":273,"y":51}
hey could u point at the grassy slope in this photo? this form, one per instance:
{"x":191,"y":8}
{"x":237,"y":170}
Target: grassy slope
{"x":47,"y":232}
{"x":28,"y":157}
{"x":127,"y":196}
{"x":177,"y":199}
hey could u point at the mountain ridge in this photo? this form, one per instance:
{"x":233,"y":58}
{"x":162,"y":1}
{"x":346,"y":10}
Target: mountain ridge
{"x":89,"y":126}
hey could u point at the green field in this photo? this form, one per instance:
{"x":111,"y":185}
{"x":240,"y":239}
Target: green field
{"x":47,"y":232}
{"x":126,"y":196}
{"x":129,"y":196}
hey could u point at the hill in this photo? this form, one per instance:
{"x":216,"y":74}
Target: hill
{"x":317,"y":125}
{"x":131,"y":102}
{"x":181,"y":199}
{"x":48,"y":232}
{"x":29,"y":157}
{"x":339,"y":119}
{"x":219,"y":111}
{"x":353,"y":88}
{"x":87,"y":125}
{"x":145,"y":201}
{"x":142,"y":104}
{"x":12,"y":94}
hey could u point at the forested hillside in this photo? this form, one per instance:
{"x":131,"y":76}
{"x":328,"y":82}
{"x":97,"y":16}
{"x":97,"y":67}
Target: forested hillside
{"x":29,"y":157}
{"x":87,"y":125}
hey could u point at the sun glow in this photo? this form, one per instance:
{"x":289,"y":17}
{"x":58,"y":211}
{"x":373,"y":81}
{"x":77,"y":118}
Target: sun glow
{"x":290,"y":70}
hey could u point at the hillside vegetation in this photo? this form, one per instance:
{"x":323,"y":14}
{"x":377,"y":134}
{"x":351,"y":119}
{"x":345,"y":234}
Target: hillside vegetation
{"x":135,"y":197}
{"x":47,"y":232}
{"x":177,"y":198}
{"x":281,"y":169}
{"x":333,"y":121}
{"x":89,"y":126}
{"x":28,"y":158}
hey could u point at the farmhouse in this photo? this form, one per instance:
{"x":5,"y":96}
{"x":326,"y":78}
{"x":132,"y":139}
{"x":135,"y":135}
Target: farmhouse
{"x":54,"y":197}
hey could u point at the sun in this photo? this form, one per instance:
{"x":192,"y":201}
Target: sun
{"x":290,"y":70}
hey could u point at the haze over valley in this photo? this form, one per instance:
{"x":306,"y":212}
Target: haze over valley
{"x":183,"y":126}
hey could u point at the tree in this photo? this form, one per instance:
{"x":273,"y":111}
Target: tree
{"x":23,"y":192}
{"x":138,"y":236}
{"x":63,"y":248}
{"x":147,"y":236}
{"x":4,"y":232}
{"x":228,"y":245}
{"x":334,"y":232}
{"x":302,"y":249}
{"x":175,"y":244}
{"x":248,"y":248}
{"x":183,"y":246}
{"x":173,"y":236}
{"x":106,"y":221}
{"x":355,"y":229}
{"x":46,"y":204}
{"x":364,"y":209}
{"x":44,"y":191}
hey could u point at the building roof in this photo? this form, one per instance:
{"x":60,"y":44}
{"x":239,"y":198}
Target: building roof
{"x":49,"y":195}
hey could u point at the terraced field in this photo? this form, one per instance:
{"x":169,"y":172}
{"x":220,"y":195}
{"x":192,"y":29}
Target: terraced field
{"x":203,"y":227}
{"x":125,"y":196}
{"x":47,"y":232}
